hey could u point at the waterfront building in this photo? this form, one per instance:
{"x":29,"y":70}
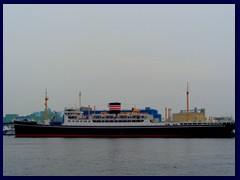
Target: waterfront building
{"x":195,"y":115}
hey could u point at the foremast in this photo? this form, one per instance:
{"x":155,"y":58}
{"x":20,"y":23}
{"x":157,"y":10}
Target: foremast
{"x":46,"y":121}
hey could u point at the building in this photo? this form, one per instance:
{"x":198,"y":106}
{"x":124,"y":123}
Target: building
{"x":38,"y":116}
{"x":8,"y":118}
{"x":221,"y":119}
{"x":195,"y":115}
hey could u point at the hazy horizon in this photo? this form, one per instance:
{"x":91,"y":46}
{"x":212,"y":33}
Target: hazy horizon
{"x":139,"y":55}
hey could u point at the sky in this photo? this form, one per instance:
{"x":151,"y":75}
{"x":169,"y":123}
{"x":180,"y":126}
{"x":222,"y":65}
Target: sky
{"x":139,"y":55}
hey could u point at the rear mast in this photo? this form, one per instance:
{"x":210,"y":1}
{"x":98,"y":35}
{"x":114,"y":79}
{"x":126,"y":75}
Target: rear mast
{"x":187,"y":112}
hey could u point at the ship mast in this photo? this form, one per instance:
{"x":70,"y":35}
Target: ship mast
{"x":80,"y":106}
{"x":45,"y":110}
{"x":187,"y":112}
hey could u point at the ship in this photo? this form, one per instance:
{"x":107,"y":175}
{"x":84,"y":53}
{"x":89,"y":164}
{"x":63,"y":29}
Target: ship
{"x":116,"y":123}
{"x":8,"y":130}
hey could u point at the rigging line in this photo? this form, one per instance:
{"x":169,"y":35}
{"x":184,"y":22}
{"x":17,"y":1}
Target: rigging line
{"x":37,"y":105}
{"x":165,"y":98}
{"x":100,"y":105}
{"x":207,"y":104}
{"x":64,"y":102}
{"x":41,"y":102}
{"x":194,"y":94}
{"x":154,"y":102}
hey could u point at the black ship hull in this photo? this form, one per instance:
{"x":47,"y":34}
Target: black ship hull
{"x":223,"y":130}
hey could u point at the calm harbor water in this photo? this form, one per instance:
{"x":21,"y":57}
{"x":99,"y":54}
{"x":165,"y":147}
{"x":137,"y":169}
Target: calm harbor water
{"x":118,"y":157}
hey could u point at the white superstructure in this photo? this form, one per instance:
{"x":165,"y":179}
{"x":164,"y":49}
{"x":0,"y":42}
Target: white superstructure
{"x":74,"y":117}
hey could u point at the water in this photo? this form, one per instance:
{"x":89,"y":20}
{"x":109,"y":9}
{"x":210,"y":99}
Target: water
{"x":118,"y":157}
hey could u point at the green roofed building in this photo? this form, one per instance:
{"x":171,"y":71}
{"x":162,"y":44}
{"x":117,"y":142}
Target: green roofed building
{"x":37,"y":116}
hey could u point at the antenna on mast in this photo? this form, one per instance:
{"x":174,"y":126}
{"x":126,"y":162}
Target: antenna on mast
{"x":187,"y":112}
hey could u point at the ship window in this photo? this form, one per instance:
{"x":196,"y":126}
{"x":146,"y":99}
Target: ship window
{"x":123,"y":117}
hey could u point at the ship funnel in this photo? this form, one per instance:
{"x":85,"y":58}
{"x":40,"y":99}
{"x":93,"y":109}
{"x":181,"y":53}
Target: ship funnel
{"x":114,"y":107}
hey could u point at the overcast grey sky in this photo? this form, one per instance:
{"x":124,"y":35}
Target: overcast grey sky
{"x":139,"y":55}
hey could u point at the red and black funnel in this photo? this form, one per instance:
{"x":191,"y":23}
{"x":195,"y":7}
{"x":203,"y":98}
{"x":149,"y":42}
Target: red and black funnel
{"x":114,"y":107}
